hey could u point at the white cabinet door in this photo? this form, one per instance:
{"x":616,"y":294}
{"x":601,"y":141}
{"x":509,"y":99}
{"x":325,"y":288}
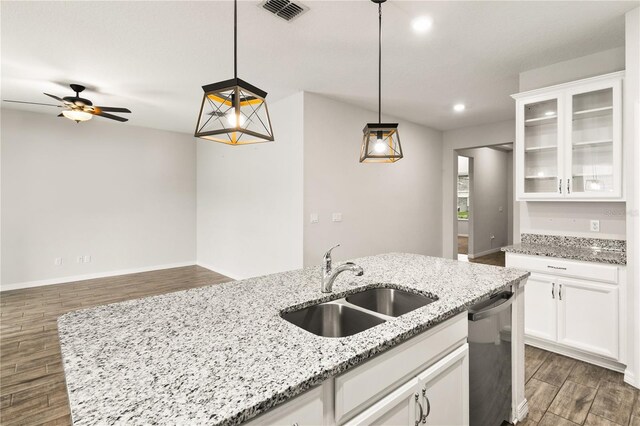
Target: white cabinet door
{"x":540,"y":307}
{"x":593,"y":141}
{"x":398,"y":408}
{"x":539,"y":151}
{"x":588,"y":316}
{"x":444,"y":390}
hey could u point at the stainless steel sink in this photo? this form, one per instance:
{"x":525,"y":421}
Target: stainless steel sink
{"x":332,"y":320}
{"x":389,"y":301}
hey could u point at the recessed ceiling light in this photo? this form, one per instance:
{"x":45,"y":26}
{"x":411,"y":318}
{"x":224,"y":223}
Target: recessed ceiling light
{"x":459,"y":107}
{"x":422,"y":24}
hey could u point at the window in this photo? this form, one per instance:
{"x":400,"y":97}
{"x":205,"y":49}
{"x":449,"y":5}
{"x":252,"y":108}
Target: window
{"x":463,"y":197}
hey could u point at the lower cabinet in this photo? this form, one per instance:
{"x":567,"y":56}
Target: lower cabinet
{"x":438,"y":396}
{"x":575,"y":308}
{"x":306,"y":409}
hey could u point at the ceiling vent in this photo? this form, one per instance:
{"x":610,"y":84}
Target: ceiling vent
{"x":285,"y":9}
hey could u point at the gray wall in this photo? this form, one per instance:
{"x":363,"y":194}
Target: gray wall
{"x":385,"y":207}
{"x":121,"y":194}
{"x":489,"y":200}
{"x":250,"y":199}
{"x":563,"y":217}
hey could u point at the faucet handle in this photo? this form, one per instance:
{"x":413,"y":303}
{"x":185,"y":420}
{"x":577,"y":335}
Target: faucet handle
{"x":327,"y":255}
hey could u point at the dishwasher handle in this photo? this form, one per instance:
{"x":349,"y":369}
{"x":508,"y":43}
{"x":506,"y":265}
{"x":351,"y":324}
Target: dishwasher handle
{"x":494,"y":305}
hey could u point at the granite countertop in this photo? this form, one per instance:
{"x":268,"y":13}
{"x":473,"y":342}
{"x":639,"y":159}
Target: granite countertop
{"x":573,"y":248}
{"x":222,"y":354}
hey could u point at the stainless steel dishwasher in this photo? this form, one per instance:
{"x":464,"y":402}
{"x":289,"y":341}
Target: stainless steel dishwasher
{"x":490,"y":361}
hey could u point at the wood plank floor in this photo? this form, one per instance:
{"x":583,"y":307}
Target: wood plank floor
{"x":560,"y":390}
{"x":32,"y":386}
{"x":495,"y":259}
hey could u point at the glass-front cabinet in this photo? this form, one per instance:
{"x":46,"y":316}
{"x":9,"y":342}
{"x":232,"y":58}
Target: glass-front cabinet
{"x":568,"y":141}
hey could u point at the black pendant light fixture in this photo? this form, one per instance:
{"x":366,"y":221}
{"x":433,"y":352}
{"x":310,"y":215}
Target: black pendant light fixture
{"x":233,"y":111}
{"x":381,"y":141}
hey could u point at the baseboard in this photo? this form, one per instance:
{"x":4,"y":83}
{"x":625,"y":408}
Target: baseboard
{"x":576,"y":354}
{"x":484,"y":253}
{"x":233,"y":276}
{"x":74,"y":278}
{"x":522,"y":411}
{"x":630,"y":379}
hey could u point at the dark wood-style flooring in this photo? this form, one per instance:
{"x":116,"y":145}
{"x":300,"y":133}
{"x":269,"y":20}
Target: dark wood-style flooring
{"x":32,"y":386}
{"x":561,"y":391}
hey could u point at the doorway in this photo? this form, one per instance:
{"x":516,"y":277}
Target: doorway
{"x":463,"y":206}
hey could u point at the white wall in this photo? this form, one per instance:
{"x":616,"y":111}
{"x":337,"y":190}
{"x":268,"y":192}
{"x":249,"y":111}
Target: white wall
{"x":489,"y":198}
{"x":563,"y":218}
{"x":631,"y":135}
{"x":121,"y":194}
{"x":467,"y":137}
{"x":249,"y":199}
{"x":385,"y":207}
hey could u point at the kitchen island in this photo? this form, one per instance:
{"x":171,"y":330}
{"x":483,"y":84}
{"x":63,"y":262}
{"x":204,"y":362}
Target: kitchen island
{"x":223,"y":354}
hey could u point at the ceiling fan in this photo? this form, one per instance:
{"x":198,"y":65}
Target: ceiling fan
{"x":80,"y":109}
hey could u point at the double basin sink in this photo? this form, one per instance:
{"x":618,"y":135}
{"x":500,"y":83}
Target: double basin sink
{"x":356,"y":312}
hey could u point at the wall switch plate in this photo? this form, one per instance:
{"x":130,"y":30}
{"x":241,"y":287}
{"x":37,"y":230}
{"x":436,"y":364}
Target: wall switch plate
{"x":58,"y":261}
{"x":336,"y":217}
{"x":500,"y":209}
{"x":595,"y":226}
{"x":87,"y":259}
{"x":314,"y":218}
{"x":80,"y":259}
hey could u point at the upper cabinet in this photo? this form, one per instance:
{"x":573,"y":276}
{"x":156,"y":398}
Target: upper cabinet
{"x":569,"y":141}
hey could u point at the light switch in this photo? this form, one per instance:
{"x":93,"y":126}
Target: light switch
{"x":595,"y":226}
{"x":87,"y":259}
{"x":500,"y":209}
{"x":336,"y":217}
{"x":314,"y":218}
{"x":58,"y":261}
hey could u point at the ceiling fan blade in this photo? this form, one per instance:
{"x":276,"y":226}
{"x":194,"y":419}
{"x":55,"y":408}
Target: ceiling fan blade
{"x":110,"y":116}
{"x":30,"y":103}
{"x":112,"y":109}
{"x":55,"y":97}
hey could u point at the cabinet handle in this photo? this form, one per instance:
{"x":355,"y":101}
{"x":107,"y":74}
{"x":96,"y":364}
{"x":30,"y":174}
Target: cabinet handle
{"x":568,"y":186}
{"x":560,"y":186}
{"x":426,"y":398}
{"x":560,"y":292}
{"x":557,"y":267}
{"x":553,"y":290}
{"x":421,"y":410}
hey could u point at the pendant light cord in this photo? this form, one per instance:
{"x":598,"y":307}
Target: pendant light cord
{"x":379,"y":62}
{"x":235,"y":38}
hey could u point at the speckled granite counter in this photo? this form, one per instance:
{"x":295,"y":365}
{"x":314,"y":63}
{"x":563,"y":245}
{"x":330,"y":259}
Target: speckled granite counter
{"x":573,"y":248}
{"x":222,"y":354}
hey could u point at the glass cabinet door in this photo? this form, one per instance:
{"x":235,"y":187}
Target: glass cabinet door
{"x":592,"y":144}
{"x":541,"y":153}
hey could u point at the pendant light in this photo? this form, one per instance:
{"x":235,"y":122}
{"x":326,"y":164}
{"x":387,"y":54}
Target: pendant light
{"x":381,"y":141}
{"x":233,"y":111}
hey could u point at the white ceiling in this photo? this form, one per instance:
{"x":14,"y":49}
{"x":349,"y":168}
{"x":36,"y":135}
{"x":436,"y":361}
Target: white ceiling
{"x":153,"y":57}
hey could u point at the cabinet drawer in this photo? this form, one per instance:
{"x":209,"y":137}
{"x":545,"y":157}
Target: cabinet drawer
{"x":305,"y":409}
{"x":358,"y":388}
{"x":561,"y":267}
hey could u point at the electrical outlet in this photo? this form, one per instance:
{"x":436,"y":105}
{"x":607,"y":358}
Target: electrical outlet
{"x":314,"y":218}
{"x":58,"y":261}
{"x":595,"y":226}
{"x":87,"y":259}
{"x":336,"y":217}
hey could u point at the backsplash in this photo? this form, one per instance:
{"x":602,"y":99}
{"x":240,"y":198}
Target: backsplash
{"x":582,"y":242}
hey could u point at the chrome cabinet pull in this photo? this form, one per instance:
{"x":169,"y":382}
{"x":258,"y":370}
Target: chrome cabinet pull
{"x":560,"y":186}
{"x":553,"y":290}
{"x":421,"y":410}
{"x":426,"y":398}
{"x":568,"y":186}
{"x":560,"y":292}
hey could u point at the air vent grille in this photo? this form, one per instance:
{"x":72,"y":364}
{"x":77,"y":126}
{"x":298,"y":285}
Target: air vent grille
{"x":285,"y":9}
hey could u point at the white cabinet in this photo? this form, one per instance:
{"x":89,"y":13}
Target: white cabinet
{"x":588,"y":316}
{"x":540,"y":307}
{"x":569,"y":141}
{"x":575,"y":308}
{"x":306,"y":409}
{"x":438,"y":396}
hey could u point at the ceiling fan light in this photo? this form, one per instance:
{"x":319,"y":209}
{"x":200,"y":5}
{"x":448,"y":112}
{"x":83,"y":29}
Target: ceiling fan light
{"x":77,"y":115}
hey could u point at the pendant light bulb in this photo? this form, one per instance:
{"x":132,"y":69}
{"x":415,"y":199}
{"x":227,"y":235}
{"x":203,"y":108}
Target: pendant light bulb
{"x":233,"y":118}
{"x":379,"y":147}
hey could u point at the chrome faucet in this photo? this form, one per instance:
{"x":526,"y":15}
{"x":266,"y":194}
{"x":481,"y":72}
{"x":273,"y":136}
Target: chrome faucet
{"x":329,"y":275}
